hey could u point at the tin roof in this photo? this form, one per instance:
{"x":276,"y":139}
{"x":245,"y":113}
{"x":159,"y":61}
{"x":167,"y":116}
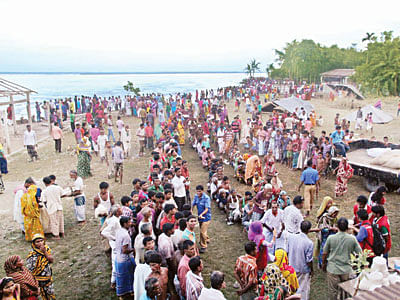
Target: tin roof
{"x":339,"y":73}
{"x":387,"y":292}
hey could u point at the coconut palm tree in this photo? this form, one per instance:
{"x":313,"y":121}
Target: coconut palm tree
{"x":249,"y":70}
{"x":255,"y":66}
{"x":269,"y":70}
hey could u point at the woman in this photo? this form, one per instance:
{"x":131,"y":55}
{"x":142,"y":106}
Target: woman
{"x":181,"y":133}
{"x":31,"y":212}
{"x":326,"y":228}
{"x":9,"y":290}
{"x":3,"y":161}
{"x":378,"y":197}
{"x":84,"y":157}
{"x":38,"y":262}
{"x":253,"y":165}
{"x":281,"y":293}
{"x":288,"y":272}
{"x":256,"y":235}
{"x":343,"y":173}
{"x":14,"y":267}
{"x":327,"y":202}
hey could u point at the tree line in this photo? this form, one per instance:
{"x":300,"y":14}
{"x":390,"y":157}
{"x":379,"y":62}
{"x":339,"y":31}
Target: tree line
{"x":377,"y":66}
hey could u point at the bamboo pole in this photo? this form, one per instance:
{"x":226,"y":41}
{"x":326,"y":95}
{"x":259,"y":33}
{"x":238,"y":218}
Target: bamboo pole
{"x":13,"y":114}
{"x":28,"y":108}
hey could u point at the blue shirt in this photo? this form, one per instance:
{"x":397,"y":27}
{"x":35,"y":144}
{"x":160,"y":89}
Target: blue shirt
{"x":202,"y":203}
{"x":309,"y":176}
{"x":362,"y":234}
{"x":337,"y":137}
{"x":300,"y":252}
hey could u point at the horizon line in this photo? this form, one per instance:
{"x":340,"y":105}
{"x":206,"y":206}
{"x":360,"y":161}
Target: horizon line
{"x":111,"y":73}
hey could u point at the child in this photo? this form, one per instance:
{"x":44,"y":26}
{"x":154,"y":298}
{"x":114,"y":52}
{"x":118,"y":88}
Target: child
{"x":328,"y":167}
{"x":101,"y":142}
{"x":320,"y":164}
{"x":283,"y":200}
{"x":289,"y":154}
{"x":361,"y":204}
{"x":9,"y":290}
{"x":248,"y":212}
{"x":109,"y":160}
{"x":118,"y":159}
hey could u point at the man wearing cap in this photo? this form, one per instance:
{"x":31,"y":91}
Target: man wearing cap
{"x":310,"y":178}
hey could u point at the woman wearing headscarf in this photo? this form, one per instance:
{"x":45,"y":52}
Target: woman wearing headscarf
{"x":288,"y":272}
{"x":181,"y":133}
{"x":38,"y":262}
{"x":31,"y":212}
{"x":256,"y":235}
{"x":14,"y":267}
{"x":326,"y":228}
{"x":253,"y":165}
{"x":343,"y":173}
{"x":327,"y":202}
{"x":84,"y":157}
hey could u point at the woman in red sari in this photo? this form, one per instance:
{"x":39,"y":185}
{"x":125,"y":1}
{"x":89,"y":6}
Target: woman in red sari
{"x":343,"y":173}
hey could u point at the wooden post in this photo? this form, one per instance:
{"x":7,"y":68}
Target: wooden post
{"x":13,"y":114}
{"x":28,"y":108}
{"x":7,"y":136}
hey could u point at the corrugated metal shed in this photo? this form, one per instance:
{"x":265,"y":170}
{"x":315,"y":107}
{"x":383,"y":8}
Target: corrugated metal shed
{"x":391,"y":292}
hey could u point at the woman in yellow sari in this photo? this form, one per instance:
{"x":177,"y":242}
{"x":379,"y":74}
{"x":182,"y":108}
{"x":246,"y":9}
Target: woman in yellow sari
{"x":288,"y":272}
{"x":181,"y":132}
{"x":30,"y":211}
{"x":313,"y":118}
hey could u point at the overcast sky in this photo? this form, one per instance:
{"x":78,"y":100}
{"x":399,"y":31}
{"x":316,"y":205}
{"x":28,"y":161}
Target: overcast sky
{"x":175,"y":35}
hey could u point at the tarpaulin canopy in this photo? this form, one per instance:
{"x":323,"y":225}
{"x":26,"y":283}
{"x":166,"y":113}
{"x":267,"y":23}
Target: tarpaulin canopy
{"x":290,"y":104}
{"x":378,"y":115}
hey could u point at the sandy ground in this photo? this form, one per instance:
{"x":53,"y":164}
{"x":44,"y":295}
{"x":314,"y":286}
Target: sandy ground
{"x":81,"y":270}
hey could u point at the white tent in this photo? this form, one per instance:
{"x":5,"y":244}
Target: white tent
{"x":291,"y":103}
{"x":378,"y":115}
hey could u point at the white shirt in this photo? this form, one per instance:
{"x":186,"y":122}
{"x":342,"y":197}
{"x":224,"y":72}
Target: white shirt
{"x":246,"y":130}
{"x":273,"y":221}
{"x":142,"y":271}
{"x":292,"y":219}
{"x":220,"y":133}
{"x":51,"y":196}
{"x":112,"y":225}
{"x":120,"y":124}
{"x":211,"y":294}
{"x":29,"y":138}
{"x":17,"y":207}
{"x":177,"y":237}
{"x":101,"y":141}
{"x":179,"y":186}
{"x":78,"y":186}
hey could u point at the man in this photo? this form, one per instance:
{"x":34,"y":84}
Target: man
{"x":166,"y":247}
{"x":152,"y":288}
{"x":337,"y":141}
{"x":120,"y":125}
{"x":124,"y":259}
{"x":246,"y":272}
{"x":188,"y":233}
{"x":336,"y":257}
{"x":30,"y":141}
{"x":359,"y":119}
{"x":203,"y":204}
{"x":160,"y":273}
{"x":169,"y":215}
{"x":149,"y":132}
{"x":142,"y":272}
{"x":300,"y":252}
{"x":37,"y":106}
{"x":118,"y":158}
{"x":189,"y":248}
{"x":217,"y":279}
{"x":178,"y":182}
{"x":79,"y":197}
{"x":109,"y":231}
{"x":221,"y":138}
{"x":292,"y":218}
{"x":236,"y":130}
{"x":57,"y":135}
{"x":141,"y":138}
{"x":145,"y":231}
{"x":194,"y":280}
{"x":272,"y":220}
{"x":310,"y":178}
{"x":51,"y":197}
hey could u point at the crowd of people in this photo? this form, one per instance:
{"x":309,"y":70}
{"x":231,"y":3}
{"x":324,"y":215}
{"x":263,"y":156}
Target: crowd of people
{"x":150,"y":234}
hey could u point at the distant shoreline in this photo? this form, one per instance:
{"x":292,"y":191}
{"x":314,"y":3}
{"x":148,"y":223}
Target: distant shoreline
{"x":118,"y":73}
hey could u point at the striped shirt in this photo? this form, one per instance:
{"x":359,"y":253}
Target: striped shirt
{"x":194,"y":285}
{"x":246,"y":268}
